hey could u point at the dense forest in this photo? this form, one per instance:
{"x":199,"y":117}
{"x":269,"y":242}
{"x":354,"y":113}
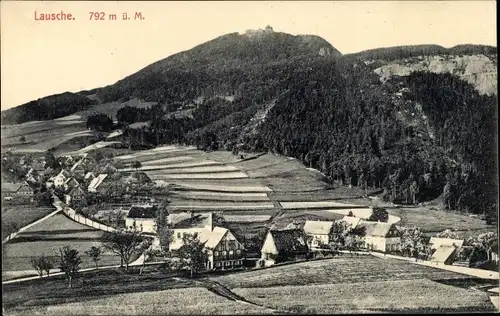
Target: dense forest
{"x":48,"y":108}
{"x":400,"y":52}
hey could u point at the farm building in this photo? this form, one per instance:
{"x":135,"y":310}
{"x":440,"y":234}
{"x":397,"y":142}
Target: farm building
{"x":96,"y":182}
{"x":67,"y":161}
{"x":78,"y":169}
{"x":188,"y":223}
{"x":319,"y":231}
{"x":224,"y":250}
{"x":77,"y":194}
{"x":10,"y":189}
{"x":141,"y":218}
{"x":70,"y":183}
{"x":31,"y":175}
{"x":444,"y":249}
{"x":283,"y":245}
{"x":351,"y":221}
{"x":380,"y":236}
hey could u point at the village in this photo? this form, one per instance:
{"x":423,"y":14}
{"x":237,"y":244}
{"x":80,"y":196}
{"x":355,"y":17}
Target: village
{"x":82,"y":183}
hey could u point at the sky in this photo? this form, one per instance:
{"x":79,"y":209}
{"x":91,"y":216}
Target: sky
{"x":40,"y":58}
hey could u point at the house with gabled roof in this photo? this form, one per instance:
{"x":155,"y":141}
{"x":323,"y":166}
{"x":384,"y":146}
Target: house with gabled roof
{"x":351,"y":221}
{"x":319,"y":232}
{"x":60,"y":178}
{"x":284,"y":245}
{"x":77,"y":194}
{"x":67,"y":160}
{"x":444,"y":249}
{"x":380,"y":236}
{"x":10,"y":189}
{"x":141,"y":218}
{"x":224,"y":250}
{"x":188,"y":223}
{"x":70,"y":183}
{"x":78,"y":169}
{"x":96,"y":182}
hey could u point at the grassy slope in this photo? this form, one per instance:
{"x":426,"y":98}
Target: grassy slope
{"x":47,"y":237}
{"x":23,"y":214}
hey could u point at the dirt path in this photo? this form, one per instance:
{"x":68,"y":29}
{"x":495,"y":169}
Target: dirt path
{"x":224,"y":291}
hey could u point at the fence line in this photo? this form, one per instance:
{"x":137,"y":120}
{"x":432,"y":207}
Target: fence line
{"x":86,"y":221}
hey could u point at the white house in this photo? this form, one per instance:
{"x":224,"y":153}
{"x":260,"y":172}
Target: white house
{"x":141,"y":218}
{"x":319,"y":231}
{"x":381,"y":236}
{"x":188,"y":223}
{"x":60,"y":178}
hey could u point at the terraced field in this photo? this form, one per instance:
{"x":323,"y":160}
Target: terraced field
{"x":263,"y":184}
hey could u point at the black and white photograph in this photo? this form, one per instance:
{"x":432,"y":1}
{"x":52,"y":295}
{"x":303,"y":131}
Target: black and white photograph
{"x":249,"y":157}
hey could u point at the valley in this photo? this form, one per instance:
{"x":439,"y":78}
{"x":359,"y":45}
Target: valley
{"x":259,"y":173}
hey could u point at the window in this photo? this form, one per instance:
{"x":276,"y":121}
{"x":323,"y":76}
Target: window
{"x":195,"y":235}
{"x":179,"y":235}
{"x":216,"y":253}
{"x":238,"y":251}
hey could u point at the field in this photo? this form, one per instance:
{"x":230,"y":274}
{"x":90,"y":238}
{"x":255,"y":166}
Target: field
{"x":401,"y":296}
{"x":343,"y":269}
{"x":23,"y":214}
{"x":433,"y":221}
{"x":112,"y":293}
{"x":350,"y":284}
{"x":47,"y":237}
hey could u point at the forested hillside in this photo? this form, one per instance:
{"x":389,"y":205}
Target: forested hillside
{"x":47,"y":108}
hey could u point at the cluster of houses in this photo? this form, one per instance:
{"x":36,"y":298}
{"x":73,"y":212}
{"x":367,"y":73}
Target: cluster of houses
{"x":223,"y":248}
{"x":291,"y":243}
{"x":78,"y":176}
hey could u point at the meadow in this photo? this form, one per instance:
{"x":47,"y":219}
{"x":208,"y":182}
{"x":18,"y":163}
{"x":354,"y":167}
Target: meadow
{"x":22,"y":214}
{"x":339,"y":270}
{"x":397,"y":296}
{"x":47,"y":237}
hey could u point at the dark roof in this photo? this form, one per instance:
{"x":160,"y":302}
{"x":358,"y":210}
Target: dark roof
{"x":290,"y":240}
{"x":142,"y":212}
{"x":186,"y":220}
{"x":377,"y":229}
